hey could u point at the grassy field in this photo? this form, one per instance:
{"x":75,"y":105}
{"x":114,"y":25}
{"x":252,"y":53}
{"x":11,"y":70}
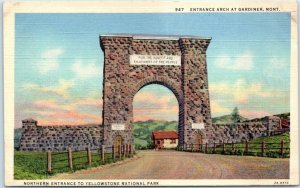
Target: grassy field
{"x":227,"y":119}
{"x":30,"y":165}
{"x":272,"y":144}
{"x":33,"y":165}
{"x":272,"y":147}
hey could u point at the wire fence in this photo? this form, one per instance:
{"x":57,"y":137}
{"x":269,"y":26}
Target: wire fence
{"x":263,"y":149}
{"x":74,"y":160}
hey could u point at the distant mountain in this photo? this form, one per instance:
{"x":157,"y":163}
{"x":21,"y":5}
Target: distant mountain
{"x":227,"y":119}
{"x":282,"y":116}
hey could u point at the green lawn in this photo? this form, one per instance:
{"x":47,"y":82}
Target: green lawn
{"x":33,"y":165}
{"x":30,"y":165}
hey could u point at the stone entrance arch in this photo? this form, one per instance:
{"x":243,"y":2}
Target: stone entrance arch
{"x":177,"y":62}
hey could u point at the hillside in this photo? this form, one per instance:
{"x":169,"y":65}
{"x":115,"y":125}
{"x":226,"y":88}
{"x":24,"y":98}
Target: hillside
{"x":226,"y":119}
{"x":282,"y":116}
{"x":142,"y":130}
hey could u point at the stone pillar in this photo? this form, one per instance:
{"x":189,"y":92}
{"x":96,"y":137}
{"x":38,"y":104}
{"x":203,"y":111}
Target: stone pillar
{"x":117,"y":107}
{"x":196,"y":107}
{"x":29,"y":139}
{"x":271,"y":123}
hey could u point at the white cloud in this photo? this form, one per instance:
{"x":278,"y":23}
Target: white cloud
{"x":239,"y":62}
{"x":86,"y":69}
{"x":61,"y":89}
{"x":278,"y":63}
{"x":49,"y":60}
{"x":240,"y":91}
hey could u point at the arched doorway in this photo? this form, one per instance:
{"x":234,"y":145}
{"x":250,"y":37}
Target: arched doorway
{"x":198,"y":141}
{"x":155,"y":109}
{"x":118,"y":143}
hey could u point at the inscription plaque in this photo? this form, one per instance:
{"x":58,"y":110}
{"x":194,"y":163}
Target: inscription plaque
{"x":155,"y":60}
{"x":117,"y":127}
{"x":198,"y":126}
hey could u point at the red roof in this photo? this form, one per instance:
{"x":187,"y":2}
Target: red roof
{"x":285,"y":123}
{"x":164,"y":135}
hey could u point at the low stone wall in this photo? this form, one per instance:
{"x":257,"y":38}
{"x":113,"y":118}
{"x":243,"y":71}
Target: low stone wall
{"x":59,"y":138}
{"x":244,"y":131}
{"x":239,"y":132}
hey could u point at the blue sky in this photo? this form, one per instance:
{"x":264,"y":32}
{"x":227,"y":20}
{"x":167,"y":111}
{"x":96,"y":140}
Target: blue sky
{"x":58,"y":63}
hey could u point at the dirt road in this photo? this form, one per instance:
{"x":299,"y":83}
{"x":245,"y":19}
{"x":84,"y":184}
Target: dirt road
{"x":184,"y":165}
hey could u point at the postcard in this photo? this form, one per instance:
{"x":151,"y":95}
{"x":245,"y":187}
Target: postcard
{"x":128,"y":93}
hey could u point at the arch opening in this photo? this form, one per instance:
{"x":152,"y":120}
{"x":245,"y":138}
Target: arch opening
{"x":155,"y":109}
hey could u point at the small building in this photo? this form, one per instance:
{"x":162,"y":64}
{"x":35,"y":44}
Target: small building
{"x":164,"y":139}
{"x":284,"y":123}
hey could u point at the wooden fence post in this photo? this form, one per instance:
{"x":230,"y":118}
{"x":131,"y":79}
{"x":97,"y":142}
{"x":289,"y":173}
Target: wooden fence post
{"x":282,"y":148}
{"x":113,"y":152}
{"x":223,"y":147}
{"x":192,"y":147}
{"x":49,"y":161}
{"x":129,"y":150}
{"x":206,"y":147}
{"x":124,"y":152}
{"x":132,"y":148}
{"x":120,"y":152}
{"x":89,"y":155}
{"x":214,"y":148}
{"x":70,"y":158}
{"x":201,"y":147}
{"x":103,"y":153}
{"x":246,"y":146}
{"x":262,"y":148}
{"x":232,"y":146}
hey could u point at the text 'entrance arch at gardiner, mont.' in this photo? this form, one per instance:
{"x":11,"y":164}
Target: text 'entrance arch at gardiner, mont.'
{"x":177,"y":62}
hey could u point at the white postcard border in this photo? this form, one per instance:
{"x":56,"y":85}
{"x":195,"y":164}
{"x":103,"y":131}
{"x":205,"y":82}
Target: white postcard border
{"x":10,"y":8}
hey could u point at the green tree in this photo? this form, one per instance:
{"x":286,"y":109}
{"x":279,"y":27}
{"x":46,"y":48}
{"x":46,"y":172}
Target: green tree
{"x":235,"y":115}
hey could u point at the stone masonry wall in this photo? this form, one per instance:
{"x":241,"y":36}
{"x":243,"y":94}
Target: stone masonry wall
{"x":237,"y":133}
{"x":59,"y":138}
{"x":244,"y":131}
